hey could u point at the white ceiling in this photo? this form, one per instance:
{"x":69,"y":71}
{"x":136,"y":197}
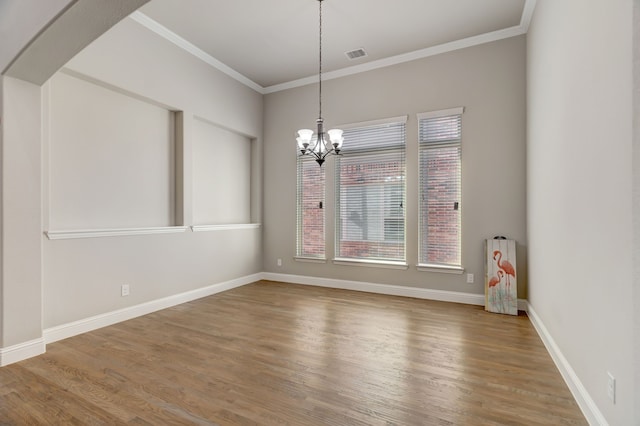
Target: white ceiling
{"x":271,"y":45}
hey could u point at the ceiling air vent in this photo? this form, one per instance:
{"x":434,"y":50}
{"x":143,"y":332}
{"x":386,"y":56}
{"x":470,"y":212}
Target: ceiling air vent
{"x":355,"y":54}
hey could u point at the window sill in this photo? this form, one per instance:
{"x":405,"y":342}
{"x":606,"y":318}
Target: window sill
{"x":202,"y":228}
{"x":310,"y":259}
{"x":95,"y":233}
{"x":123,"y":232}
{"x":371,"y":263}
{"x":440,"y":268}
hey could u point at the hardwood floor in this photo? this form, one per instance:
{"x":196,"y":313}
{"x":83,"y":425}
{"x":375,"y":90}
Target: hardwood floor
{"x":280,"y":354}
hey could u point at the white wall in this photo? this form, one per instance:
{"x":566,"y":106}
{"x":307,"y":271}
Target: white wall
{"x":221,"y":175}
{"x":78,"y":24}
{"x":21,"y":217}
{"x":579,"y":186}
{"x":488,"y":80}
{"x":20,"y":21}
{"x":43,"y":45}
{"x":82,"y":277}
{"x":2,"y":83}
{"x":636,"y":201}
{"x":111,"y":158}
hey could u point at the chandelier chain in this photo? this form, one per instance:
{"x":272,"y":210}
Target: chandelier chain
{"x":320,"y":64}
{"x":329,"y":143}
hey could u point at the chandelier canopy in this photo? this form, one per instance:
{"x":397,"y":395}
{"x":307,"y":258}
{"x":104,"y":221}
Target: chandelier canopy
{"x":317,"y":145}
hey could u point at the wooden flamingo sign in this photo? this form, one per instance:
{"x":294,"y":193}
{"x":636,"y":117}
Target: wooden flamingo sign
{"x":501,"y":290}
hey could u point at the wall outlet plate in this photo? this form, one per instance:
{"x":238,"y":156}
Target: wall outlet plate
{"x":611,"y":387}
{"x":470,"y":278}
{"x":124,"y":290}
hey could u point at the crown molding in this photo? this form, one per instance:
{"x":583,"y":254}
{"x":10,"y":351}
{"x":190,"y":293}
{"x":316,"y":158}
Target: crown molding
{"x":189,"y":47}
{"x":162,"y":31}
{"x":399,"y":59}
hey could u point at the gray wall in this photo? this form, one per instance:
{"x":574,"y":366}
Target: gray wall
{"x":636,"y":202}
{"x":94,"y":131}
{"x":20,"y":21}
{"x":488,"y":80}
{"x":21,"y":213}
{"x":82,"y":277}
{"x":580,"y":190}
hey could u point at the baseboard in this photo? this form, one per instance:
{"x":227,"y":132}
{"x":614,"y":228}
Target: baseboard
{"x":92,"y":323}
{"x":64,"y":331}
{"x":21,"y":351}
{"x":54,"y":334}
{"x":36,"y":347}
{"x":392,"y":290}
{"x":580,"y":394}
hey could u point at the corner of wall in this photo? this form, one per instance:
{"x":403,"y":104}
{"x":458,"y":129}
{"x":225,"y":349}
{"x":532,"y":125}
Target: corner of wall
{"x":579,"y":392}
{"x":22,"y":351}
{"x":636,"y":204}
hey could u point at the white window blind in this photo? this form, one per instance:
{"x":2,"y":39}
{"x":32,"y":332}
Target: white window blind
{"x":310,"y":209}
{"x":440,"y":135}
{"x":370,"y":193}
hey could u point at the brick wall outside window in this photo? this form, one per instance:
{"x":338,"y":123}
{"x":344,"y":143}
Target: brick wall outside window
{"x":371,"y":222}
{"x":440,"y":242}
{"x":311,"y":181}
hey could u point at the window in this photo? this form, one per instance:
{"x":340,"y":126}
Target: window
{"x":310,"y":211}
{"x":440,"y":141}
{"x":370,"y":192}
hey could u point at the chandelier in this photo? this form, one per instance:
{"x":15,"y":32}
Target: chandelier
{"x":317,"y":145}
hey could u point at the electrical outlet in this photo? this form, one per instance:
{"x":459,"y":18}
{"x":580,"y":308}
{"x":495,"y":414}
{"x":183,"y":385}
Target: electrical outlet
{"x":469,"y":278}
{"x":279,"y":262}
{"x":124,"y":290}
{"x":611,"y":387}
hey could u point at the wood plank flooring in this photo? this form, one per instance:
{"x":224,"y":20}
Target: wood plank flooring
{"x":280,"y":354}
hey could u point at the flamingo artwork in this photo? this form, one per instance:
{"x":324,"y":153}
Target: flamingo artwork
{"x":505,"y":266}
{"x":501,"y":294}
{"x":494,"y":281}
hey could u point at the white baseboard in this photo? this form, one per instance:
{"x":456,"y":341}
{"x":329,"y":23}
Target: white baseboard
{"x":582,"y":397}
{"x":53,"y":334}
{"x":92,"y":323}
{"x":21,"y":351}
{"x":392,"y":290}
{"x":36,"y":347}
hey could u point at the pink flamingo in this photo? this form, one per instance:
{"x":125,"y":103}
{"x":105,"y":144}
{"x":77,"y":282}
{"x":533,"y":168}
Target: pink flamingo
{"x":494,"y":281}
{"x":506,"y":267}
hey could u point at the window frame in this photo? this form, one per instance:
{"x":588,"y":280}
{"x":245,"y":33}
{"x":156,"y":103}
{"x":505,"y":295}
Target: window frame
{"x":300,"y":254}
{"x":422,"y":147}
{"x":361,"y":261}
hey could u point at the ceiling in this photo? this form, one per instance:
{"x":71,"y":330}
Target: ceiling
{"x":272,"y":45}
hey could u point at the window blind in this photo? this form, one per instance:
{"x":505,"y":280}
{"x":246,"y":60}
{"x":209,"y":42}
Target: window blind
{"x":440,"y":188}
{"x":370,"y":193}
{"x":310,"y":209}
